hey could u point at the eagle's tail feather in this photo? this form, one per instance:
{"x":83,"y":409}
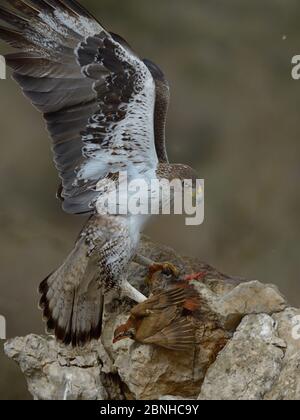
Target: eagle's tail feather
{"x":73,"y":315}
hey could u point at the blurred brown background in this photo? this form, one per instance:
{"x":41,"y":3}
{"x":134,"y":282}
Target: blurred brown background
{"x":234,"y":117}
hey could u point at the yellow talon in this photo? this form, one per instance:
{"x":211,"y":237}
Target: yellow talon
{"x":170,"y":269}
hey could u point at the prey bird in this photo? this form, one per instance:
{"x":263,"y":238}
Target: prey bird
{"x":164,"y":320}
{"x":105,"y":110}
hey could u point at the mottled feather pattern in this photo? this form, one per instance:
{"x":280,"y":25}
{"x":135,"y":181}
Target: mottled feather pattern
{"x":120,"y":135}
{"x":96,"y":95}
{"x":72,"y":297}
{"x":99,"y":100}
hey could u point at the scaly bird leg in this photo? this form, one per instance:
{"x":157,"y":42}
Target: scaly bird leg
{"x":153,"y":267}
{"x":129,"y":291}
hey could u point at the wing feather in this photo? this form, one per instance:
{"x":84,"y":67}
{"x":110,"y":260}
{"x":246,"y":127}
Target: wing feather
{"x":96,"y":95}
{"x":24,"y":8}
{"x":176,"y":296}
{"x":178,"y":336}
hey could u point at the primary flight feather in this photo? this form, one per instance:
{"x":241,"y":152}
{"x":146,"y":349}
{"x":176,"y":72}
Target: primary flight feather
{"x":105,"y":110}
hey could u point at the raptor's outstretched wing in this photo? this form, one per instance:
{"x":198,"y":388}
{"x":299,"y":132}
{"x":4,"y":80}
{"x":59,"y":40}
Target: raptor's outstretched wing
{"x":96,"y":95}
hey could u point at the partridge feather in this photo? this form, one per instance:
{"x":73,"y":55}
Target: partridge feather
{"x":163,"y":319}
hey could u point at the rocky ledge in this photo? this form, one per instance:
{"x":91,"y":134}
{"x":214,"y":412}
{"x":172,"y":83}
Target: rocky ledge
{"x":247,"y":348}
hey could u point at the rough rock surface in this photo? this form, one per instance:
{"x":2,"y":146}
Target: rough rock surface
{"x":247,"y":348}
